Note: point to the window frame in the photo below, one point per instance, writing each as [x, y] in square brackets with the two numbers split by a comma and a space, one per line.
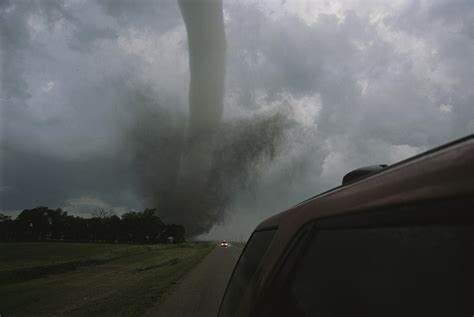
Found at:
[245, 298]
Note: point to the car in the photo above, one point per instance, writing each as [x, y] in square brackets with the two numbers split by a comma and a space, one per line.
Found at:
[224, 244]
[392, 240]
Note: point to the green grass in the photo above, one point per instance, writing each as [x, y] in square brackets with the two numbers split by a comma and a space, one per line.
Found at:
[77, 279]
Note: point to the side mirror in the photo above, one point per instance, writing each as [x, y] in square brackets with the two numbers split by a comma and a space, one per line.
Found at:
[362, 172]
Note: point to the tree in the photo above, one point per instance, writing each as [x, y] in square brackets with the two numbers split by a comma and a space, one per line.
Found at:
[42, 223]
[141, 227]
[176, 232]
[57, 219]
[6, 228]
[103, 213]
[34, 224]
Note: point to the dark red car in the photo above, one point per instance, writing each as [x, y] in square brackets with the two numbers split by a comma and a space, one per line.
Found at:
[394, 242]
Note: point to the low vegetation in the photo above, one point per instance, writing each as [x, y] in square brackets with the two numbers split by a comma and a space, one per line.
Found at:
[79, 279]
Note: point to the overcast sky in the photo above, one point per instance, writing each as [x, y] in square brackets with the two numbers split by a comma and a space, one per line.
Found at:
[366, 82]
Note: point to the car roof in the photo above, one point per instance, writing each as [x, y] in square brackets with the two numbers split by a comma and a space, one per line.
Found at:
[440, 172]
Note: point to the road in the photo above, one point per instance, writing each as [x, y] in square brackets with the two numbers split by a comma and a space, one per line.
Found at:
[200, 292]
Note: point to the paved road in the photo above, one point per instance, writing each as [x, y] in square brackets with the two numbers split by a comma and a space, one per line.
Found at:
[200, 293]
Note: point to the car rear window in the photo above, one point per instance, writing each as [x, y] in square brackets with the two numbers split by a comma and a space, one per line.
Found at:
[388, 271]
[245, 270]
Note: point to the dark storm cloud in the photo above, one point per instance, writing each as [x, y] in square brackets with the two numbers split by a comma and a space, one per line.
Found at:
[158, 16]
[33, 179]
[362, 81]
[388, 88]
[59, 107]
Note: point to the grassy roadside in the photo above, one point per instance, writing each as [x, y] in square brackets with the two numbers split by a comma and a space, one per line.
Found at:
[89, 279]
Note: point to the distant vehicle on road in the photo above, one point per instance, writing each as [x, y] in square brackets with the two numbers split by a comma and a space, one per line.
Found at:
[224, 244]
[390, 241]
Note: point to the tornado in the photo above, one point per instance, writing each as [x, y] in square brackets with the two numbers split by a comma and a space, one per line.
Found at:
[207, 46]
[207, 49]
[192, 166]
[206, 41]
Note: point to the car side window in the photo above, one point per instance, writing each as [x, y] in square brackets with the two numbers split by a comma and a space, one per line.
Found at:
[411, 270]
[245, 270]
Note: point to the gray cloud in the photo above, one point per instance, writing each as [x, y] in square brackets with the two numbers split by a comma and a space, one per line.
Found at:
[363, 83]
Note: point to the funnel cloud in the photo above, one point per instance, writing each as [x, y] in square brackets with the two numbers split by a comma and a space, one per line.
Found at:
[206, 45]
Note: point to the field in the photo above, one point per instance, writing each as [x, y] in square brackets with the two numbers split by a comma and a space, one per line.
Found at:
[90, 279]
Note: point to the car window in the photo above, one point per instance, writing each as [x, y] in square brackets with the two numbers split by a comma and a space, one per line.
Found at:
[245, 270]
[388, 271]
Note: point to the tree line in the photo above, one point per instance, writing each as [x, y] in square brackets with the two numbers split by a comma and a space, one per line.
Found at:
[44, 224]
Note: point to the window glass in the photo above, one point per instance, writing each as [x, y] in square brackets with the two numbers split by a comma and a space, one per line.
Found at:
[245, 270]
[388, 271]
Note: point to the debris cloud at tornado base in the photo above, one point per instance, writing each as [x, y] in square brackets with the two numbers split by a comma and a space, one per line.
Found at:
[190, 166]
[241, 149]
